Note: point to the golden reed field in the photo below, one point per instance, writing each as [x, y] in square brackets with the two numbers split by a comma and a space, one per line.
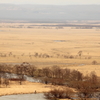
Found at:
[47, 46]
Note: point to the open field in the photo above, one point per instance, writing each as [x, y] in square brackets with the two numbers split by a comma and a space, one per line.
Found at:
[67, 47]
[26, 88]
[48, 46]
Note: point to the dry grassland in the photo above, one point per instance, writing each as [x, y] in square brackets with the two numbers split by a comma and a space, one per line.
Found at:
[25, 88]
[24, 42]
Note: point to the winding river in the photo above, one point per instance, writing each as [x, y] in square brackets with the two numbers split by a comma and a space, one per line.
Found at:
[38, 96]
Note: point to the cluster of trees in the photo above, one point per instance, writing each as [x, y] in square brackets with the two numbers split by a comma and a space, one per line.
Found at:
[84, 86]
[77, 86]
[54, 75]
[20, 70]
[56, 93]
[57, 55]
[45, 55]
[3, 76]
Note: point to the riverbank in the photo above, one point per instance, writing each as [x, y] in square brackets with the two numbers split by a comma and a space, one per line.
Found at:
[25, 88]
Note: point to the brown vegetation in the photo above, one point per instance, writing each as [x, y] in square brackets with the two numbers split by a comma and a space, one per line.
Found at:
[84, 86]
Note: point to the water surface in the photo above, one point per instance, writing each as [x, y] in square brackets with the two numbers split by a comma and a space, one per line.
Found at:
[39, 96]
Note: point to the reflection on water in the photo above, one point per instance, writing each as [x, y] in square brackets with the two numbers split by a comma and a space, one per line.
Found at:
[27, 78]
[39, 96]
[59, 40]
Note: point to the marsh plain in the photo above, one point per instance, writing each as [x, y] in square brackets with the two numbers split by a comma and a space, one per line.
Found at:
[50, 45]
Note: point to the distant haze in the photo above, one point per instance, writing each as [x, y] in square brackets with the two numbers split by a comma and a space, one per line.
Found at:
[52, 2]
[49, 12]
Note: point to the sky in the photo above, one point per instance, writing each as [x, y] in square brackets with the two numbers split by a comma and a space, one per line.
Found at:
[52, 2]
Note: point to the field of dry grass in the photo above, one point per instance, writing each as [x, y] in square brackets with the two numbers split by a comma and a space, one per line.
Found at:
[19, 43]
[25, 88]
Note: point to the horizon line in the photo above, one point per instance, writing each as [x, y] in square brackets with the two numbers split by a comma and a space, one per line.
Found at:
[47, 4]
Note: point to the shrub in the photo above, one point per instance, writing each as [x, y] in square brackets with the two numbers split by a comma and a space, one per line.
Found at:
[94, 62]
[59, 93]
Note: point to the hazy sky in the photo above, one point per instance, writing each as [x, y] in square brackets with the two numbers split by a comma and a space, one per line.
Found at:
[50, 2]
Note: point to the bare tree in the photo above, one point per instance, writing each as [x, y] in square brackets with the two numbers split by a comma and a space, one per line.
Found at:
[6, 79]
[46, 71]
[86, 90]
[94, 62]
[22, 70]
[80, 54]
[1, 74]
[32, 70]
[76, 75]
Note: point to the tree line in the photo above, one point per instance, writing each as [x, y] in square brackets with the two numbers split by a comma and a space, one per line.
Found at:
[74, 83]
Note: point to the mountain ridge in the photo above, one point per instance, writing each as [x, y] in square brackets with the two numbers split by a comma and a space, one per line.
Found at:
[49, 12]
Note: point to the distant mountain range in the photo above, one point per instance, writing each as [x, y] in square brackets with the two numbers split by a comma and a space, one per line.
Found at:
[49, 12]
